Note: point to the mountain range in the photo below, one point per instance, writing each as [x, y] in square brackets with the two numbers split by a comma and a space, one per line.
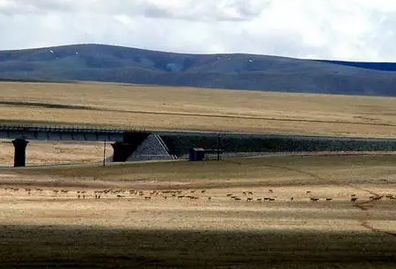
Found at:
[92, 62]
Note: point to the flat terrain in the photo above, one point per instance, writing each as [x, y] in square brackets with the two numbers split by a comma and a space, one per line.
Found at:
[238, 213]
[178, 108]
[276, 211]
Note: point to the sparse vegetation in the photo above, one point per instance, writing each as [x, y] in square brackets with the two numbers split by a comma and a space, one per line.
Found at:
[234, 213]
[167, 108]
[237, 212]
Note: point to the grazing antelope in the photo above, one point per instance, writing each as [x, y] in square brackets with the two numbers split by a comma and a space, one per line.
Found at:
[329, 199]
[203, 191]
[237, 199]
[147, 198]
[307, 192]
[259, 199]
[250, 193]
[229, 194]
[314, 199]
[271, 199]
[353, 199]
[249, 199]
[376, 198]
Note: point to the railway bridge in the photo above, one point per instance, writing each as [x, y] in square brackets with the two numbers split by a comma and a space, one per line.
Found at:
[124, 141]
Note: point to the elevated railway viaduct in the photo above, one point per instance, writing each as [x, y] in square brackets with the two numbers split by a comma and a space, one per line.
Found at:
[156, 144]
[124, 142]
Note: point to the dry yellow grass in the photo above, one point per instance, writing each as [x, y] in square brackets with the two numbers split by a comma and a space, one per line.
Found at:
[178, 108]
[54, 152]
[44, 223]
[54, 227]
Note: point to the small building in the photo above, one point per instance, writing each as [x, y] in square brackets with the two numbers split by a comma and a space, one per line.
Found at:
[197, 154]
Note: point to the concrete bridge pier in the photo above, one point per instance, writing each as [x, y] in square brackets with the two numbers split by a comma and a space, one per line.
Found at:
[122, 151]
[20, 152]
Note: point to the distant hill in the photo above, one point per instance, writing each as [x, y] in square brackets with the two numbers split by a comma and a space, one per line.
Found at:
[232, 71]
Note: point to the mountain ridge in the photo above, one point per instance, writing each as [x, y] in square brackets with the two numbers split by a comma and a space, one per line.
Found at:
[96, 62]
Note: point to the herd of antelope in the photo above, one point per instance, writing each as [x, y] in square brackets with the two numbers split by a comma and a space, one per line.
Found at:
[248, 196]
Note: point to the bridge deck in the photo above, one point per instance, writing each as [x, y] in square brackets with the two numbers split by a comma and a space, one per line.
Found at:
[64, 133]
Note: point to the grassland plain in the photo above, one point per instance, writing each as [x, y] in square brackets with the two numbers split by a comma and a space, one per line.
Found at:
[236, 213]
[180, 108]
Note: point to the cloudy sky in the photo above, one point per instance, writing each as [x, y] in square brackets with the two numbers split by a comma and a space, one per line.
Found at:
[331, 29]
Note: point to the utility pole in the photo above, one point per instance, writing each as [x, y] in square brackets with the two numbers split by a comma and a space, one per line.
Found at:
[104, 153]
[218, 147]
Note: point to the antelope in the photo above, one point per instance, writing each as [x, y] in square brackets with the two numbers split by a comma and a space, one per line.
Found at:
[329, 199]
[314, 199]
[353, 199]
[249, 199]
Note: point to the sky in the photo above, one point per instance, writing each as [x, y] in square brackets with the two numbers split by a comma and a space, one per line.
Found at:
[360, 30]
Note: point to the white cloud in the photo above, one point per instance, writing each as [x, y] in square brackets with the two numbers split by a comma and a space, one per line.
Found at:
[332, 29]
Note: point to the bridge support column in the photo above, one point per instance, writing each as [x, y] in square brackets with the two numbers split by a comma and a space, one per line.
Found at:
[122, 151]
[20, 152]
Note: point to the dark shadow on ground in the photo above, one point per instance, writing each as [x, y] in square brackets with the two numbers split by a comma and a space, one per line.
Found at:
[85, 246]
